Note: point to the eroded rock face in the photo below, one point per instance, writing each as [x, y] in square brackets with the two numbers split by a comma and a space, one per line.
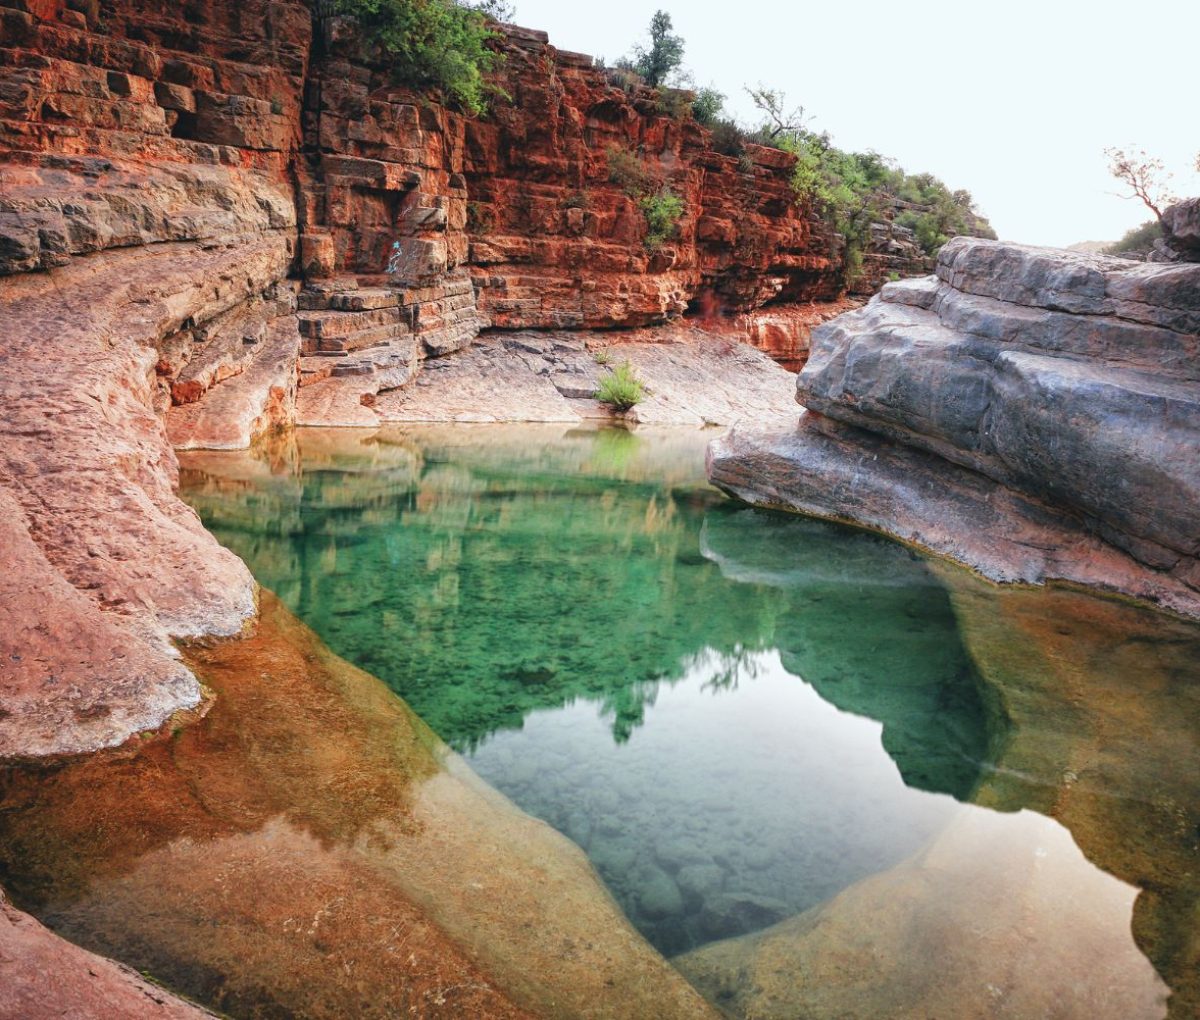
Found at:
[1031, 412]
[557, 237]
[1181, 243]
[111, 564]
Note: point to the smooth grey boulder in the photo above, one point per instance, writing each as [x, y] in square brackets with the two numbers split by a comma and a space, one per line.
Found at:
[1069, 381]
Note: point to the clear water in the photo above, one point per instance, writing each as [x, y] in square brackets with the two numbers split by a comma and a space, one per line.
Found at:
[735, 713]
[829, 778]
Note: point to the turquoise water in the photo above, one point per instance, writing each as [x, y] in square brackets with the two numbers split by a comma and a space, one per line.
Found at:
[735, 713]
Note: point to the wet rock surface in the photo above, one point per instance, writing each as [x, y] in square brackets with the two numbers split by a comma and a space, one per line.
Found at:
[936, 936]
[43, 976]
[1064, 383]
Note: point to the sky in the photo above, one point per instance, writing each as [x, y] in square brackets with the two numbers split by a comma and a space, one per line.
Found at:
[1013, 100]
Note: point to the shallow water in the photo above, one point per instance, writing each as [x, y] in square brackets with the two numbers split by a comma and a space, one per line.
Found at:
[736, 714]
[573, 623]
[827, 775]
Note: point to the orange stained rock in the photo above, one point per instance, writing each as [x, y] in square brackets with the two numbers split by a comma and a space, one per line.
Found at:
[312, 849]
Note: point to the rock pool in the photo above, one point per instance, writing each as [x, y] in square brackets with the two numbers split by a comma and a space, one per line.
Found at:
[826, 775]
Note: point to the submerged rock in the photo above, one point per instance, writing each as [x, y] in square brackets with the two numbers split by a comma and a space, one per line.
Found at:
[735, 913]
[998, 917]
[1091, 707]
[658, 895]
[1032, 413]
[311, 848]
[43, 976]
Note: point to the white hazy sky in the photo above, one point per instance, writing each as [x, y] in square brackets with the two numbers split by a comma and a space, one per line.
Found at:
[1011, 99]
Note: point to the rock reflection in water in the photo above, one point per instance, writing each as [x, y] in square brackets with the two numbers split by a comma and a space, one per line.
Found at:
[511, 590]
[1093, 717]
[639, 663]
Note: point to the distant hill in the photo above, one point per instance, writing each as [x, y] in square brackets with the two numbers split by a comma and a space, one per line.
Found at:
[1091, 247]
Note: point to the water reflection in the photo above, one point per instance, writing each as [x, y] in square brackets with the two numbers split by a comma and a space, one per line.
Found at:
[531, 587]
[484, 576]
[808, 752]
[519, 588]
[310, 849]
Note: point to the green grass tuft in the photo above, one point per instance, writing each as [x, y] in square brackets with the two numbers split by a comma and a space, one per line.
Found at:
[621, 388]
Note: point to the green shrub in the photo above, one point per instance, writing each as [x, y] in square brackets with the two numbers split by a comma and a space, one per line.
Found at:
[602, 357]
[1139, 239]
[621, 388]
[663, 211]
[624, 77]
[728, 138]
[852, 190]
[434, 44]
[629, 172]
[707, 106]
[673, 103]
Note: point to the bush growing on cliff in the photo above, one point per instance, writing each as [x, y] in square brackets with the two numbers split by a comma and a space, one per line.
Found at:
[621, 388]
[663, 211]
[852, 190]
[1138, 240]
[674, 103]
[435, 45]
[728, 137]
[708, 106]
[628, 171]
[498, 10]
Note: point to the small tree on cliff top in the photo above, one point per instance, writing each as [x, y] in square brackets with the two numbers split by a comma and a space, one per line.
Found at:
[664, 56]
[501, 10]
[779, 122]
[1144, 176]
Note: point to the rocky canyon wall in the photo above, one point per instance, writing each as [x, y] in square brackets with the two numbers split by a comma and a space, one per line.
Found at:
[197, 208]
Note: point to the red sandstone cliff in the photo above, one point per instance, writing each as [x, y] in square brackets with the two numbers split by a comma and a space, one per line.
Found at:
[128, 124]
[196, 206]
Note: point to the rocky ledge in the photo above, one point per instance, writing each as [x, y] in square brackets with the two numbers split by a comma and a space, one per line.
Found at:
[1034, 414]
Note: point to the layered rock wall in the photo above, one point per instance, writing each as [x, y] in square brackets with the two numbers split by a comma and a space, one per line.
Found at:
[147, 225]
[197, 208]
[1034, 413]
[529, 218]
